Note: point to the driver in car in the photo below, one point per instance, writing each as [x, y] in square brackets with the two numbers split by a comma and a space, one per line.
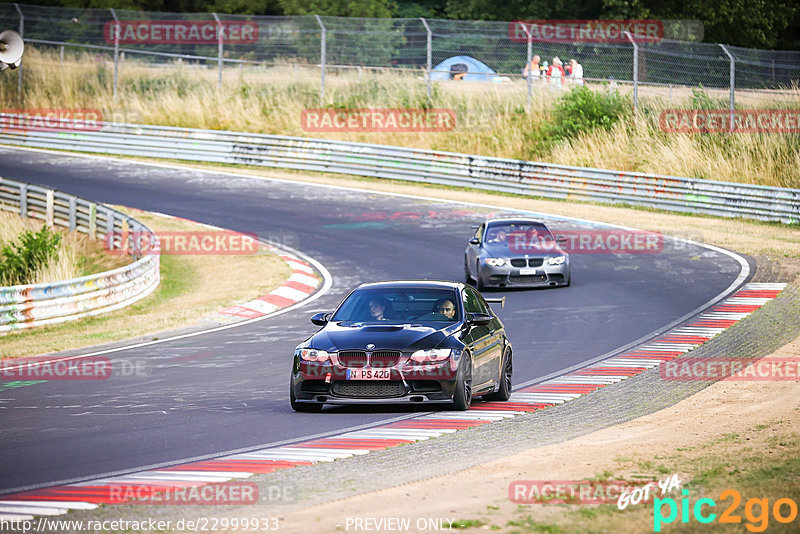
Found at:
[500, 236]
[445, 307]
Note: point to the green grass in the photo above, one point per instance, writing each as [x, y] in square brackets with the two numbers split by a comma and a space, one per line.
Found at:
[468, 523]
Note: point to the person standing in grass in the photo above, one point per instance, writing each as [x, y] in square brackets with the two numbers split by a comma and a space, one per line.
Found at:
[576, 72]
[555, 74]
[532, 69]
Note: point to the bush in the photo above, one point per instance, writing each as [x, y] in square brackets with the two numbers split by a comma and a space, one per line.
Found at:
[582, 110]
[20, 261]
[579, 111]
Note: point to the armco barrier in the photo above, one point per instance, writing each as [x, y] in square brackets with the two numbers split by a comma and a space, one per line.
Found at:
[31, 305]
[383, 161]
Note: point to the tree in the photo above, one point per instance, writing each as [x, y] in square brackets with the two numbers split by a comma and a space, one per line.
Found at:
[425, 8]
[245, 7]
[339, 8]
[522, 9]
[748, 23]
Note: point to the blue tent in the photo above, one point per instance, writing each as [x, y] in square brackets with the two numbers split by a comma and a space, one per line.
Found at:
[477, 71]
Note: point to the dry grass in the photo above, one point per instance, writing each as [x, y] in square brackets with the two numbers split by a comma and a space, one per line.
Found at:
[492, 118]
[191, 287]
[768, 159]
[77, 254]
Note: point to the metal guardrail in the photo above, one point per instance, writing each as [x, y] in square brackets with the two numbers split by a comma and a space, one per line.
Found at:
[383, 161]
[25, 306]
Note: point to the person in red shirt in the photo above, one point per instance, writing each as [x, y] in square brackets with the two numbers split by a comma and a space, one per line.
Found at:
[555, 73]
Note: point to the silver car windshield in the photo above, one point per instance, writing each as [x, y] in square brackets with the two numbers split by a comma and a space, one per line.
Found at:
[399, 305]
[520, 236]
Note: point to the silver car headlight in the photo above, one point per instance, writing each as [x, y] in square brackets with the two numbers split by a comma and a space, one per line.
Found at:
[495, 262]
[556, 260]
[313, 355]
[430, 355]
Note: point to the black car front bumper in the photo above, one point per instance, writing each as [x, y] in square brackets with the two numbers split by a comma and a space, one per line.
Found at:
[327, 384]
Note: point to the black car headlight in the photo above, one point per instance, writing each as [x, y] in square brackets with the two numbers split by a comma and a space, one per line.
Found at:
[495, 262]
[313, 355]
[556, 260]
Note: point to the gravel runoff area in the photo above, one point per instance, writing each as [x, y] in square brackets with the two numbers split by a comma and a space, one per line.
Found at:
[760, 334]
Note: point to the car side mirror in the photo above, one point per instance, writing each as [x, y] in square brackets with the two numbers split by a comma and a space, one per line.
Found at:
[478, 319]
[320, 319]
[561, 240]
[474, 241]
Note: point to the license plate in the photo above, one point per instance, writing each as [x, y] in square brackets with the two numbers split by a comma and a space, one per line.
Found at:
[527, 270]
[368, 374]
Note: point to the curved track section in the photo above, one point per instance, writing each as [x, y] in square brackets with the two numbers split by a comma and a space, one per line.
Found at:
[226, 391]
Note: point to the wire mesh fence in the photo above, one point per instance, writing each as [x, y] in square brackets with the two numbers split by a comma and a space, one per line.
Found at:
[432, 48]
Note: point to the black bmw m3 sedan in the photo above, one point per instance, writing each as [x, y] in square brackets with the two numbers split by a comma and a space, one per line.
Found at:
[404, 342]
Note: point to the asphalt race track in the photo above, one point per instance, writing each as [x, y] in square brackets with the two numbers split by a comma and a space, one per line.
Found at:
[228, 390]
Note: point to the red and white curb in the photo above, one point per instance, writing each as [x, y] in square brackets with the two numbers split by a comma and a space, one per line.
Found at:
[680, 340]
[303, 282]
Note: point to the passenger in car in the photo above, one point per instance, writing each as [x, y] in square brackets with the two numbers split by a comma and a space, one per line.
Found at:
[379, 309]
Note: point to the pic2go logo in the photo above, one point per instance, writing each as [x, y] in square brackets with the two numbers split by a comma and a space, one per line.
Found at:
[756, 511]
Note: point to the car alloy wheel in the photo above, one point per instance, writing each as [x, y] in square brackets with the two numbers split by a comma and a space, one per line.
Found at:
[504, 393]
[478, 283]
[462, 398]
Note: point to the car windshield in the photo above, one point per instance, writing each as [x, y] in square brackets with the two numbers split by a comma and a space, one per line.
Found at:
[399, 305]
[520, 236]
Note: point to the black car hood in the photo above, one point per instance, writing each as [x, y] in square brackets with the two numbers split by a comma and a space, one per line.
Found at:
[346, 335]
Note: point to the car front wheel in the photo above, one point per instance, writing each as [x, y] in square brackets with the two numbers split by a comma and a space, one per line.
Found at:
[478, 283]
[462, 398]
[303, 406]
[467, 275]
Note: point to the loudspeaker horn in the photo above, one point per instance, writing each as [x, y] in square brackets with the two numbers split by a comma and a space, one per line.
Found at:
[11, 48]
